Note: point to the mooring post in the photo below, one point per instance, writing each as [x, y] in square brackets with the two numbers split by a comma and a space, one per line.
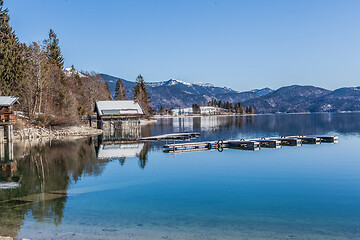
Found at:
[2, 134]
[89, 117]
[10, 133]
[11, 150]
[2, 151]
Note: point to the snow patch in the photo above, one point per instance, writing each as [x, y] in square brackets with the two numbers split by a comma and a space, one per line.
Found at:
[69, 72]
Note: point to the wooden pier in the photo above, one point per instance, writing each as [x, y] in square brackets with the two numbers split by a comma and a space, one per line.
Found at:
[251, 144]
[172, 136]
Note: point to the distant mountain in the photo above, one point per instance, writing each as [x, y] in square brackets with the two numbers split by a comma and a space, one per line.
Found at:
[111, 81]
[175, 93]
[287, 99]
[342, 99]
[262, 91]
[290, 99]
[307, 99]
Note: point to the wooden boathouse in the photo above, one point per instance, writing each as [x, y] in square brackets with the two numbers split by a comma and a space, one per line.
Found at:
[7, 117]
[121, 114]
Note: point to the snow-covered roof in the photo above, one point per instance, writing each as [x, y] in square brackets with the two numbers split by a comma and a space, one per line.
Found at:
[123, 107]
[120, 150]
[7, 100]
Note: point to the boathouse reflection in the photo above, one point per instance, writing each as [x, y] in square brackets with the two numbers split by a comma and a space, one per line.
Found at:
[112, 151]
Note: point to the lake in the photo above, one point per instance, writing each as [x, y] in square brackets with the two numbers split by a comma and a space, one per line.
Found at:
[94, 189]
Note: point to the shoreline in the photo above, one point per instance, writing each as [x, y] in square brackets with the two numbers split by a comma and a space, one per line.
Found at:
[62, 133]
[28, 133]
[247, 115]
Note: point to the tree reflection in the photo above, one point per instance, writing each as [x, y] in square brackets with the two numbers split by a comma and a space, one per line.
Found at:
[45, 173]
[143, 157]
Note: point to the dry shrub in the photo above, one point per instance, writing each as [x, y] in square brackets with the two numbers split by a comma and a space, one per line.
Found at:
[19, 124]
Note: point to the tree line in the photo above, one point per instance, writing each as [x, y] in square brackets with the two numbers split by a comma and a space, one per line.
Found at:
[47, 94]
[34, 73]
[196, 108]
[232, 107]
[139, 92]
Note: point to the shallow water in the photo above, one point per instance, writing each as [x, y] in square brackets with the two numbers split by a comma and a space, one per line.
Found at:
[91, 189]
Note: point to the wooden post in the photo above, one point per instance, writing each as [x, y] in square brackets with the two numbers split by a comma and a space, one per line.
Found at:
[2, 151]
[89, 117]
[10, 133]
[11, 150]
[2, 134]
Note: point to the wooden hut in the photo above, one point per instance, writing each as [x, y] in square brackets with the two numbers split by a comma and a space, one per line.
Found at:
[118, 114]
[7, 117]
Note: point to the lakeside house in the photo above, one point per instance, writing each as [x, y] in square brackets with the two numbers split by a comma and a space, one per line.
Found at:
[118, 114]
[7, 117]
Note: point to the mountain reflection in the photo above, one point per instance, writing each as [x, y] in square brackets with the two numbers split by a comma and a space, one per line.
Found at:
[229, 127]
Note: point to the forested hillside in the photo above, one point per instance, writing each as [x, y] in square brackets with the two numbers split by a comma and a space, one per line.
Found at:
[35, 74]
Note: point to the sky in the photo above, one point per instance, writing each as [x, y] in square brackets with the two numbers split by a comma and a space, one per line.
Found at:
[238, 44]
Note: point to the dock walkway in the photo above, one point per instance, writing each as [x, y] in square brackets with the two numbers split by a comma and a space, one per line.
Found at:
[172, 136]
[249, 144]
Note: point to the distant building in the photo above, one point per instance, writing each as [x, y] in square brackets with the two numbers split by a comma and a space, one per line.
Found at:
[113, 114]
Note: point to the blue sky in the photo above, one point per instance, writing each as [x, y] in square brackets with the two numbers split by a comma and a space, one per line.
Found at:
[238, 44]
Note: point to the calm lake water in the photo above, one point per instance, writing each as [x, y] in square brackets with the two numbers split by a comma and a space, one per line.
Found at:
[94, 189]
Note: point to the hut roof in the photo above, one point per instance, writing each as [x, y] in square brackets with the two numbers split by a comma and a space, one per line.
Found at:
[119, 108]
[6, 101]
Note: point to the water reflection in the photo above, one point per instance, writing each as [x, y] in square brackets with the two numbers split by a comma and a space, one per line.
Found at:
[119, 152]
[236, 127]
[45, 171]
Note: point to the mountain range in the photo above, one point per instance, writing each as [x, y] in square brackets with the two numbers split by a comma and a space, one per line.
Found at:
[290, 99]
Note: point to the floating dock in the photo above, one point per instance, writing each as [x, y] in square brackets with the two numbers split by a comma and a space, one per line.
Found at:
[172, 136]
[251, 144]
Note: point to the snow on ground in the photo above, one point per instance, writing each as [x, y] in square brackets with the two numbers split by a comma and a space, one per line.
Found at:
[204, 110]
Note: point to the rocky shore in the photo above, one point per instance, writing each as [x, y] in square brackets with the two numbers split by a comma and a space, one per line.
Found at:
[55, 133]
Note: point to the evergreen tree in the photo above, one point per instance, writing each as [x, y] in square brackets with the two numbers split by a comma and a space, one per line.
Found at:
[251, 110]
[239, 108]
[161, 110]
[107, 88]
[11, 51]
[120, 91]
[76, 76]
[140, 93]
[54, 51]
[196, 109]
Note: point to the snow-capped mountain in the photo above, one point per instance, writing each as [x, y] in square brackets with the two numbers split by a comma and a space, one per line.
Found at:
[70, 71]
[176, 93]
